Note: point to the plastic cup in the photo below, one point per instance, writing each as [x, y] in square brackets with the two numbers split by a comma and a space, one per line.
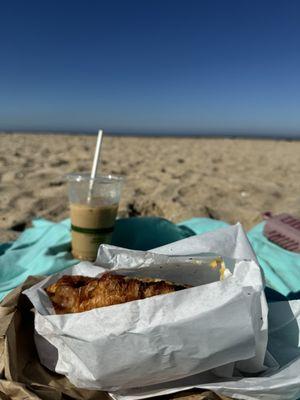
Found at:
[93, 214]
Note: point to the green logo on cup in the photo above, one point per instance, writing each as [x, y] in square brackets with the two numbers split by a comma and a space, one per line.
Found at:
[92, 231]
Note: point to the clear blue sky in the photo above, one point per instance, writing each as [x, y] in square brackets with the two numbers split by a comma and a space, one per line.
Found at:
[151, 66]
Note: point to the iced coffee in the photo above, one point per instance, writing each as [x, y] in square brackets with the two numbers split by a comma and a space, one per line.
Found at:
[93, 213]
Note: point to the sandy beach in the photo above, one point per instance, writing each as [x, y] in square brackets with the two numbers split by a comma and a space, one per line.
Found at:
[176, 178]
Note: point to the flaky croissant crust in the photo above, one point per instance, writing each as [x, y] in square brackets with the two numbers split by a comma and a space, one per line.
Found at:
[74, 294]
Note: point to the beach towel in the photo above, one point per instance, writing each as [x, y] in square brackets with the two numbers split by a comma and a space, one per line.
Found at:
[44, 249]
[40, 250]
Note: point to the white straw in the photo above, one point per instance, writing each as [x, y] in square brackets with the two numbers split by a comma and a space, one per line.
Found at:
[95, 165]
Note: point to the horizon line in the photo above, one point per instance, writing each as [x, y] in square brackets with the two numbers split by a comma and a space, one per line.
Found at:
[217, 134]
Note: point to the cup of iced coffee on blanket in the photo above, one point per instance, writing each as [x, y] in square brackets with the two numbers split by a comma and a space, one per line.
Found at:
[94, 201]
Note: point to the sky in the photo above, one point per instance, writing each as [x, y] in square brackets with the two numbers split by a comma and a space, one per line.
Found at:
[151, 66]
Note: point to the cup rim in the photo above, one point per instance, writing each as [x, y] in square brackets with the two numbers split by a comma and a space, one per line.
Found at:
[86, 176]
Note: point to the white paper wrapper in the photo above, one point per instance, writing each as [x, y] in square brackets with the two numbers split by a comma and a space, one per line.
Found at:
[281, 383]
[281, 380]
[163, 338]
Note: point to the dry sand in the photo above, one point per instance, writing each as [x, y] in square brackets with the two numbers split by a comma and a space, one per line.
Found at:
[229, 179]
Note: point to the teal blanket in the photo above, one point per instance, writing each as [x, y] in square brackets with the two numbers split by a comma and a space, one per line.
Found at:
[45, 249]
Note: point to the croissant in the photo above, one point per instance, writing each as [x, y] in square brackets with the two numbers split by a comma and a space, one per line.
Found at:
[74, 294]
